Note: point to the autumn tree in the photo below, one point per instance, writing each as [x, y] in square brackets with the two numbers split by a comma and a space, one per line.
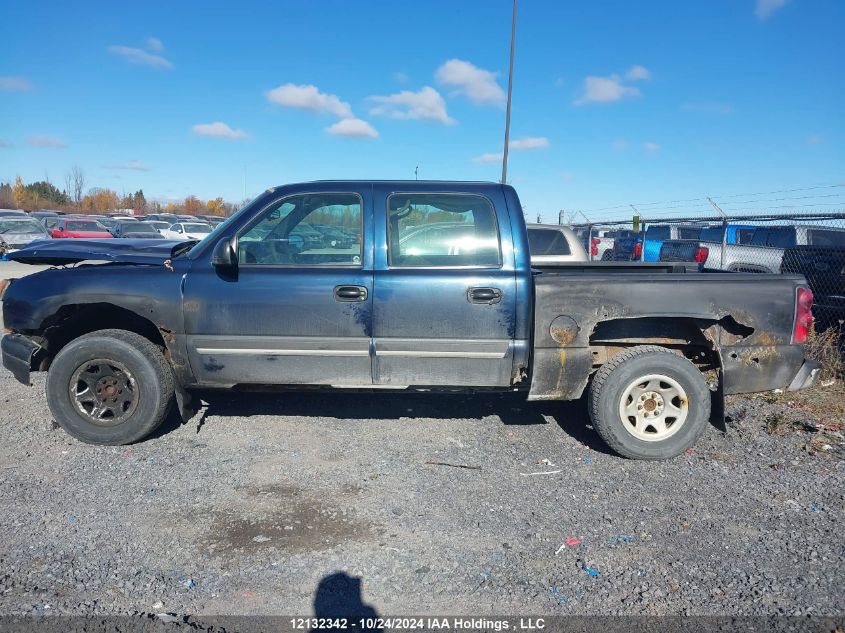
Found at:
[19, 195]
[192, 205]
[100, 201]
[7, 200]
[216, 207]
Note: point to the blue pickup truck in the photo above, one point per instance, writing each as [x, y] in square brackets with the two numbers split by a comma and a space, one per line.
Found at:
[434, 290]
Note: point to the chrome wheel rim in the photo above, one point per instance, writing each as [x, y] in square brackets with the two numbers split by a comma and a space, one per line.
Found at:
[103, 392]
[653, 407]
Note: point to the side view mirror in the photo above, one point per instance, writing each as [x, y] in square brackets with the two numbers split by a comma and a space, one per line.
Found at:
[225, 254]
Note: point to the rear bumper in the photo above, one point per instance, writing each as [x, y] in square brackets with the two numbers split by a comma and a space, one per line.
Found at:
[17, 355]
[806, 377]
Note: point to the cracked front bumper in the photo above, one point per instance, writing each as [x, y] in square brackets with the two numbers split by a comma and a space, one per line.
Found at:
[18, 351]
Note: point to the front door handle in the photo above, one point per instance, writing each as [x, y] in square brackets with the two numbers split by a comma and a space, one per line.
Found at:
[350, 293]
[484, 295]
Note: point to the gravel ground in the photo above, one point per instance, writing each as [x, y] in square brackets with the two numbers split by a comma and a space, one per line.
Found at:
[250, 506]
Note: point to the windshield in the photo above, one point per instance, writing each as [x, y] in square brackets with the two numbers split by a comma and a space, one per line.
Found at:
[23, 227]
[137, 227]
[160, 225]
[85, 226]
[197, 228]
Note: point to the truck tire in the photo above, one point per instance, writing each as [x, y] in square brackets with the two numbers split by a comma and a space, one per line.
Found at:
[649, 403]
[110, 387]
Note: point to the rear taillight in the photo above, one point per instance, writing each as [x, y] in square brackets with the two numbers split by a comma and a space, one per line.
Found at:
[803, 315]
[594, 246]
[638, 251]
[701, 254]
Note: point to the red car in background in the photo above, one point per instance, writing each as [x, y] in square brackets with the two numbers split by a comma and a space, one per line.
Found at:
[79, 228]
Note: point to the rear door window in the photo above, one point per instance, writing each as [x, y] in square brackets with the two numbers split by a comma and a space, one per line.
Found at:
[657, 233]
[547, 242]
[826, 237]
[442, 230]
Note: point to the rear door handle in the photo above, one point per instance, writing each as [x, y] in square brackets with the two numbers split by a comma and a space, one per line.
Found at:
[484, 295]
[350, 293]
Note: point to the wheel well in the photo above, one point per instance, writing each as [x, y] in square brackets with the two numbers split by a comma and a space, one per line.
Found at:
[72, 321]
[693, 338]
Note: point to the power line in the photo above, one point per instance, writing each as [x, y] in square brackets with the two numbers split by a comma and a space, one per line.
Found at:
[720, 197]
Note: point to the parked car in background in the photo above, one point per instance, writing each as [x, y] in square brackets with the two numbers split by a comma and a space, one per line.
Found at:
[627, 246]
[13, 213]
[824, 269]
[707, 249]
[187, 231]
[656, 234]
[162, 217]
[598, 243]
[763, 253]
[187, 218]
[49, 221]
[79, 228]
[17, 232]
[135, 230]
[554, 244]
[159, 225]
[43, 213]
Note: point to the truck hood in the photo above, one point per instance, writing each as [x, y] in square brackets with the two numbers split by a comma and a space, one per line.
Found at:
[120, 251]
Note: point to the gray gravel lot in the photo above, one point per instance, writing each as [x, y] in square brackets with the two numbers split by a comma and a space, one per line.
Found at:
[248, 511]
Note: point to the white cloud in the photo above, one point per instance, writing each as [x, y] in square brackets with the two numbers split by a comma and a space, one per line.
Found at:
[353, 128]
[815, 139]
[605, 90]
[477, 84]
[619, 145]
[400, 77]
[529, 142]
[427, 104]
[308, 97]
[9, 83]
[218, 129]
[132, 165]
[709, 107]
[526, 143]
[651, 148]
[638, 73]
[765, 8]
[46, 141]
[140, 57]
[5, 144]
[155, 44]
[488, 158]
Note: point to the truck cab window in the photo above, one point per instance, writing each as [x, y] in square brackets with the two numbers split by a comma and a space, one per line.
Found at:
[442, 230]
[547, 242]
[306, 230]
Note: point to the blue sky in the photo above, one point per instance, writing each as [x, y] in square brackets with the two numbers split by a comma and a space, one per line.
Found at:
[614, 102]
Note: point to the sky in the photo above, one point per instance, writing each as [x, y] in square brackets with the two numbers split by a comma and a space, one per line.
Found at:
[614, 102]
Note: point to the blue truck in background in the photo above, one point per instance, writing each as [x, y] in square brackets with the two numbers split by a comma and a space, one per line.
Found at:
[432, 289]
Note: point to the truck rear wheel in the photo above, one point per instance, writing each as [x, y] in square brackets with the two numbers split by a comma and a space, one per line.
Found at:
[109, 387]
[649, 403]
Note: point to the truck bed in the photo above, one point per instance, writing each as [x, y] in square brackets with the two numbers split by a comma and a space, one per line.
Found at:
[579, 310]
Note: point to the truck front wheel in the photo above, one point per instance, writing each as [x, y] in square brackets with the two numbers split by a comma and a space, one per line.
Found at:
[109, 387]
[649, 403]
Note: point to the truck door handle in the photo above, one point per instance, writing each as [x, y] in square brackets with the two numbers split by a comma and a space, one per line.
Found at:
[484, 295]
[350, 293]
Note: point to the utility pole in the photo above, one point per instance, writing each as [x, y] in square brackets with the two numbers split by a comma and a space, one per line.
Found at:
[510, 91]
[417, 172]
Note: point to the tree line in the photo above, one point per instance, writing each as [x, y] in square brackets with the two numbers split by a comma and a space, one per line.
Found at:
[74, 197]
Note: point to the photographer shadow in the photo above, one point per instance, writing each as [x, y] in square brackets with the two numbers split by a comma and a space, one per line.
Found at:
[338, 596]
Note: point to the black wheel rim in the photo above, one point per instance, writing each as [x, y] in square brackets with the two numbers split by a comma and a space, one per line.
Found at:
[104, 392]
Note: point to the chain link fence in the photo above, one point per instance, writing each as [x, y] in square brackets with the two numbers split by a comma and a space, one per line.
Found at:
[806, 243]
